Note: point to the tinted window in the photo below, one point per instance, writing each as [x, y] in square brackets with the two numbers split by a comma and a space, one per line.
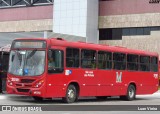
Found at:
[132, 62]
[110, 34]
[126, 32]
[144, 63]
[88, 59]
[72, 57]
[140, 31]
[55, 61]
[154, 64]
[133, 31]
[104, 60]
[119, 60]
[147, 31]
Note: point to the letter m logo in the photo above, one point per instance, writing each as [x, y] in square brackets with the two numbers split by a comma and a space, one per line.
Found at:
[118, 77]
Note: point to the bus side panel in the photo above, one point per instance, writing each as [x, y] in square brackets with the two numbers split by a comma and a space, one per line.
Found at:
[55, 85]
[148, 83]
[87, 80]
[118, 83]
[104, 86]
[144, 81]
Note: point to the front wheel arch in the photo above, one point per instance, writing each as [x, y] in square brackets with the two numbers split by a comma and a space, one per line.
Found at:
[75, 87]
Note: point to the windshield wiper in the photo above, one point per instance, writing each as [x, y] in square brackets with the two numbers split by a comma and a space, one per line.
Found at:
[31, 54]
[18, 54]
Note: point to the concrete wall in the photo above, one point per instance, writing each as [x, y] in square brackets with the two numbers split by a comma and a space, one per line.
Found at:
[132, 20]
[124, 7]
[26, 13]
[38, 18]
[131, 13]
[26, 25]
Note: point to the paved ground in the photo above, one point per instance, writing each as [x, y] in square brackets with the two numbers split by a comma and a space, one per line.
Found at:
[6, 99]
[154, 99]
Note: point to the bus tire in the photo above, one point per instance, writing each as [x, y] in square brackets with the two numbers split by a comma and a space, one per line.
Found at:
[71, 94]
[38, 98]
[131, 93]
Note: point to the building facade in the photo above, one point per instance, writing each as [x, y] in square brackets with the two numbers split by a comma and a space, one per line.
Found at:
[131, 23]
[26, 15]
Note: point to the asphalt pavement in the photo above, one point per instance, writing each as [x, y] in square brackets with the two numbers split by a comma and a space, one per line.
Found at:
[89, 105]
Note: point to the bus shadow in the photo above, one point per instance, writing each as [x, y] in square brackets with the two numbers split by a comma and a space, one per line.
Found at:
[85, 100]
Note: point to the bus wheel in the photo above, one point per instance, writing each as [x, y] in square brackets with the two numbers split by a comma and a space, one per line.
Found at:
[38, 98]
[131, 93]
[71, 94]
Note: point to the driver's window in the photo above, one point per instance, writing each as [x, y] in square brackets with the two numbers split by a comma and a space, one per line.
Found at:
[55, 61]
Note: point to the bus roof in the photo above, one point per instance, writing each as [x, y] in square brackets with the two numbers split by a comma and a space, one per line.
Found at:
[84, 45]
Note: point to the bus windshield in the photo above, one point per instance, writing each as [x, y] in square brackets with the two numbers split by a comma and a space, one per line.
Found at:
[26, 62]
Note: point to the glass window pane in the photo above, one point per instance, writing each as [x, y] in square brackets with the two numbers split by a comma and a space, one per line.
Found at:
[125, 32]
[133, 31]
[72, 57]
[132, 62]
[154, 64]
[104, 60]
[144, 63]
[140, 31]
[55, 61]
[147, 31]
[116, 34]
[119, 61]
[88, 59]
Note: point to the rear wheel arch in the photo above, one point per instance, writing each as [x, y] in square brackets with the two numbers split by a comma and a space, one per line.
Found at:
[134, 84]
[130, 93]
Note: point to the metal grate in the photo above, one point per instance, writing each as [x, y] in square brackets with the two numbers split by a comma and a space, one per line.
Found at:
[22, 90]
[27, 80]
[24, 3]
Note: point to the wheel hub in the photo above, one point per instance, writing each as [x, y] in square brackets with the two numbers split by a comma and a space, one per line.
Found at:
[71, 94]
[131, 93]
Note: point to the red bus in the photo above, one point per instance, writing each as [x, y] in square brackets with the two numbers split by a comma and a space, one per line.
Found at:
[48, 68]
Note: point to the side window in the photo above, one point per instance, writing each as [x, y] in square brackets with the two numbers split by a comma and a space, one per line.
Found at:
[132, 62]
[144, 63]
[104, 60]
[88, 59]
[72, 57]
[119, 61]
[55, 61]
[154, 64]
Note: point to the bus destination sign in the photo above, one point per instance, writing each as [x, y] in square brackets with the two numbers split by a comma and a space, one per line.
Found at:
[29, 44]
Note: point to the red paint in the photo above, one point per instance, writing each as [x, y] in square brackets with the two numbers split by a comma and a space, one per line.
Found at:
[159, 73]
[103, 83]
[26, 13]
[122, 7]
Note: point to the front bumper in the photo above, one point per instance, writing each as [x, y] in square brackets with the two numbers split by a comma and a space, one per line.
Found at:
[26, 91]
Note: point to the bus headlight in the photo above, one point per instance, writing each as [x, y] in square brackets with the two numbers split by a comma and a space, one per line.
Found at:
[9, 82]
[39, 84]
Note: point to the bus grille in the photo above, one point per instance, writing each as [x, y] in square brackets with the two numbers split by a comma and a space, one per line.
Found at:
[20, 85]
[22, 90]
[27, 80]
